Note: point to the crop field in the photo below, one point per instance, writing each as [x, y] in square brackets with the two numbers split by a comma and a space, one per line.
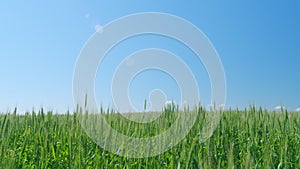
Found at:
[252, 138]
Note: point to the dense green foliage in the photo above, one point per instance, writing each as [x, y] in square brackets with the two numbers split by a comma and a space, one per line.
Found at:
[243, 139]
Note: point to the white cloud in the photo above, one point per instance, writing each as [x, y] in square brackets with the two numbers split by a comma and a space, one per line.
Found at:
[170, 102]
[298, 109]
[222, 106]
[98, 28]
[210, 105]
[279, 107]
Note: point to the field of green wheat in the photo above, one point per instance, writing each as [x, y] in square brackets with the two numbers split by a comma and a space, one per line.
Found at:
[250, 138]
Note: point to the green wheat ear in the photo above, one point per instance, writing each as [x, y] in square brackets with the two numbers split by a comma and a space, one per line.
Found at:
[85, 101]
[145, 105]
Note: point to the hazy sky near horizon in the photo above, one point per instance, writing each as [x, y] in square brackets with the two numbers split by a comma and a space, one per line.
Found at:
[258, 43]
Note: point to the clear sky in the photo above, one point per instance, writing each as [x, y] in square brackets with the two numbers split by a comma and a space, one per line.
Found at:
[258, 43]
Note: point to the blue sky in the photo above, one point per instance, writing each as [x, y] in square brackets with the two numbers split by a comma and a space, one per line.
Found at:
[257, 41]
